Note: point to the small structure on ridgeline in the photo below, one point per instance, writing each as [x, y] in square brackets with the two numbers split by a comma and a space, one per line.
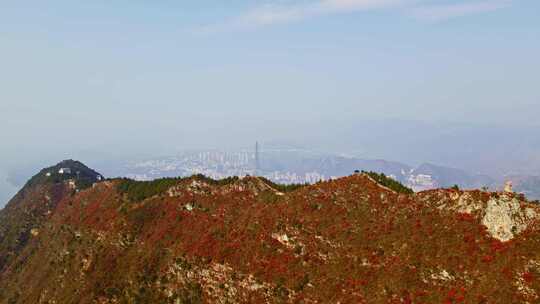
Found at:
[508, 187]
[64, 171]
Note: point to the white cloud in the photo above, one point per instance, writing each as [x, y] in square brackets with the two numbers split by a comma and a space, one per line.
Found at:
[271, 14]
[443, 12]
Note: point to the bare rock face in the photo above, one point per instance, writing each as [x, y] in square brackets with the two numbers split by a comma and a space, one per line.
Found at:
[505, 217]
[503, 214]
[466, 203]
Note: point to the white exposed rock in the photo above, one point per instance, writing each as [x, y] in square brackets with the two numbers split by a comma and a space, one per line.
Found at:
[366, 263]
[251, 284]
[291, 241]
[504, 217]
[220, 282]
[442, 276]
[283, 239]
[454, 195]
[174, 191]
[467, 204]
[530, 213]
[198, 187]
[86, 263]
[34, 232]
[523, 288]
[72, 184]
[460, 202]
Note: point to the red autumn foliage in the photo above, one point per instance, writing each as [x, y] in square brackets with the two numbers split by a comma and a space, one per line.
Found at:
[347, 241]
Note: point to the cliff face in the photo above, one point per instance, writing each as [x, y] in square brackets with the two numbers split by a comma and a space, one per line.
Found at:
[242, 241]
[503, 214]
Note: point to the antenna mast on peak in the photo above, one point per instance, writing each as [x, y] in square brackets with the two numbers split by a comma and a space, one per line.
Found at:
[257, 164]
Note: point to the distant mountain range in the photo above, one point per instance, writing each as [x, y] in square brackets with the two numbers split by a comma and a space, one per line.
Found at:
[294, 165]
[303, 166]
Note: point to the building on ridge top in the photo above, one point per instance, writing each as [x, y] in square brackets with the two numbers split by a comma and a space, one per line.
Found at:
[64, 171]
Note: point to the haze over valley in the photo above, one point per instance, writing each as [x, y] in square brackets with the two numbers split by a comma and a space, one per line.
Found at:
[484, 155]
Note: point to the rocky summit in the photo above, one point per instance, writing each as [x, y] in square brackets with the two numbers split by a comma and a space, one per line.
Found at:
[71, 236]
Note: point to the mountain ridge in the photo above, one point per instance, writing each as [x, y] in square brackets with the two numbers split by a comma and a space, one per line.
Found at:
[199, 240]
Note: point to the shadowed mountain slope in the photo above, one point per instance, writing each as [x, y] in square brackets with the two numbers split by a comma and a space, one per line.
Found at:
[29, 210]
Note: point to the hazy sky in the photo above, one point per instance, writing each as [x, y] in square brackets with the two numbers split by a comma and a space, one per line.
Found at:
[119, 77]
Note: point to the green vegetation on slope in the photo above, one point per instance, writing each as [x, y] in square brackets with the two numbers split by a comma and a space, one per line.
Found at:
[141, 190]
[388, 182]
[282, 187]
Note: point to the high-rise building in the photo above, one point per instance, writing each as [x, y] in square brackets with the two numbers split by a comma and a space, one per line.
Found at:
[257, 164]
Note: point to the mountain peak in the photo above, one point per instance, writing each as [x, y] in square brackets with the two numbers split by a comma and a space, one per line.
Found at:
[67, 170]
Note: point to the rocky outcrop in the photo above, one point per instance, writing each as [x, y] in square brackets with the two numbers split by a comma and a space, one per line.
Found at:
[506, 217]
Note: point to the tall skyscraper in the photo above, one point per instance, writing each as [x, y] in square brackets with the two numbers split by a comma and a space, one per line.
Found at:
[257, 164]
